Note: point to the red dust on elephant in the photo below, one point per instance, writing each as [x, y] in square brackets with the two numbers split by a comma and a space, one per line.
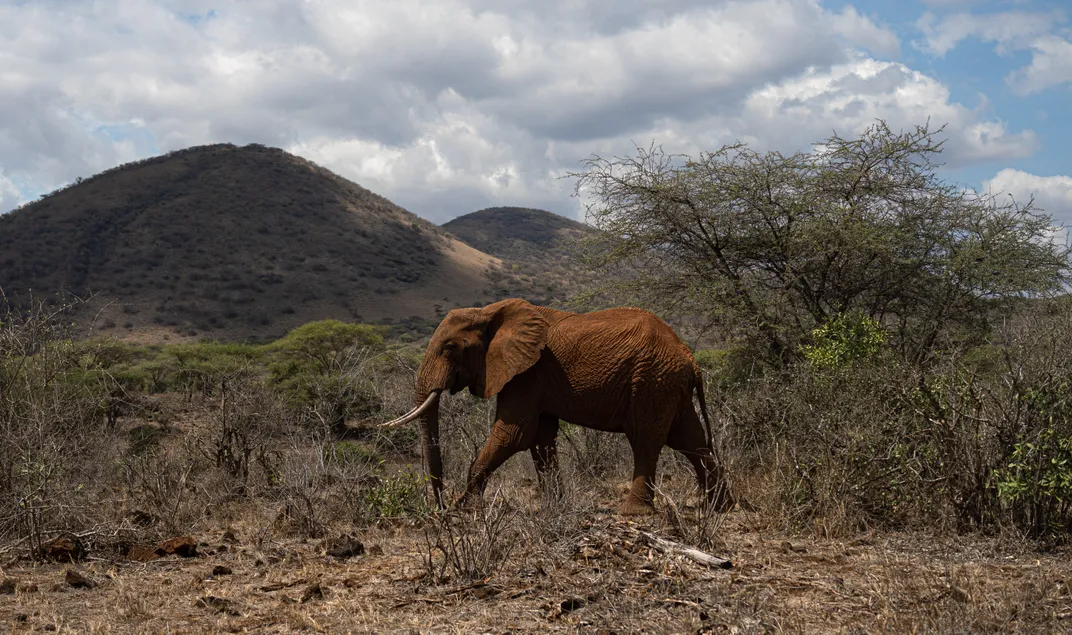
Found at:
[618, 370]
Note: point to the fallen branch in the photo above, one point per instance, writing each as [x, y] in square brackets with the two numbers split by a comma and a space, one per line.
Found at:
[13, 546]
[674, 548]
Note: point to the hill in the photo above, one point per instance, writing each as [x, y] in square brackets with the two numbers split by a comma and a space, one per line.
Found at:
[536, 247]
[233, 243]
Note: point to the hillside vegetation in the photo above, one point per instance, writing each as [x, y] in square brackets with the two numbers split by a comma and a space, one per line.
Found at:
[538, 250]
[233, 242]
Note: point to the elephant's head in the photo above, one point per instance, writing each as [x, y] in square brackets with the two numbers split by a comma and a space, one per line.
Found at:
[480, 349]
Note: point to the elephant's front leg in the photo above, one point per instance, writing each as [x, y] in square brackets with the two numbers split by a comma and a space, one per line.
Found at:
[545, 453]
[505, 440]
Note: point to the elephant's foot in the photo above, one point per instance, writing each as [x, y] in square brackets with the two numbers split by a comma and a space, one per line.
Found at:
[635, 507]
[469, 501]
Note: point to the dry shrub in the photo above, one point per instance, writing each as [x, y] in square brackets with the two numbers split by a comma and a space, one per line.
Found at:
[1009, 409]
[324, 483]
[300, 490]
[975, 437]
[158, 485]
[473, 545]
[838, 448]
[597, 455]
[55, 446]
[245, 427]
[464, 424]
[685, 513]
[563, 506]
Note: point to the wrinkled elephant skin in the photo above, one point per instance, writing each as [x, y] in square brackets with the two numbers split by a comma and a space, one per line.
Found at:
[619, 370]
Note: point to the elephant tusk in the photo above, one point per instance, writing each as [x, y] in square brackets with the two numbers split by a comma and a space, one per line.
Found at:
[413, 414]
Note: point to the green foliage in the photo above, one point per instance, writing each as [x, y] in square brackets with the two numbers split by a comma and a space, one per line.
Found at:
[728, 367]
[321, 347]
[1037, 481]
[350, 455]
[110, 353]
[712, 359]
[136, 378]
[843, 340]
[324, 368]
[397, 496]
[770, 247]
[202, 367]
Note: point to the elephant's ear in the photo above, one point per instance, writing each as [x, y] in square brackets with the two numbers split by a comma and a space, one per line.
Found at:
[518, 333]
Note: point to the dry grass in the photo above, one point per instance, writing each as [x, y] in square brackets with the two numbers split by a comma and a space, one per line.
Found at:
[534, 561]
[591, 578]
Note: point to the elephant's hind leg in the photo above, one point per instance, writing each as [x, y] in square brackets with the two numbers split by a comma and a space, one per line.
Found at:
[647, 435]
[638, 501]
[687, 437]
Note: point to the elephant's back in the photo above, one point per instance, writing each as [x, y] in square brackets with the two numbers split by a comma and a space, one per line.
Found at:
[626, 323]
[618, 344]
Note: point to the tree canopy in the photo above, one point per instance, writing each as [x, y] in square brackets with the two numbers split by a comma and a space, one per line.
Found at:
[772, 246]
[322, 346]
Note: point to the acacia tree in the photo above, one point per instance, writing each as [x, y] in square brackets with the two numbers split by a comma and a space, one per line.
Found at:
[324, 366]
[770, 246]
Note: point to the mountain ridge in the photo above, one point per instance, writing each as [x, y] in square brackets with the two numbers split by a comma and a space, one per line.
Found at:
[539, 248]
[233, 242]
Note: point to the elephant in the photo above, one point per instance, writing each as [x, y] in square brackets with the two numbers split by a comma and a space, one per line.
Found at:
[618, 370]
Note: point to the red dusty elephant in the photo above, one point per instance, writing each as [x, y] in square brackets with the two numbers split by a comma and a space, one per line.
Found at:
[618, 370]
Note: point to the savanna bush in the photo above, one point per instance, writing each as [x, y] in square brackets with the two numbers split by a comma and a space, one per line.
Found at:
[326, 369]
[977, 438]
[54, 438]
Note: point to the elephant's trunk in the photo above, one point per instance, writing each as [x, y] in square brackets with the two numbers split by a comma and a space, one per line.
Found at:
[427, 393]
[433, 455]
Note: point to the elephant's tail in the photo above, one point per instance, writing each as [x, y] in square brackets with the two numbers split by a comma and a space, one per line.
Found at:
[703, 405]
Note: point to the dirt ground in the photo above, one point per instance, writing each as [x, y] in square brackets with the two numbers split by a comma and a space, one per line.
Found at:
[597, 574]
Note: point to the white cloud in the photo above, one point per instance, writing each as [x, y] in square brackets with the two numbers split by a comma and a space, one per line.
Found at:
[1051, 64]
[1051, 60]
[1009, 29]
[460, 162]
[9, 195]
[450, 106]
[864, 33]
[849, 97]
[1053, 194]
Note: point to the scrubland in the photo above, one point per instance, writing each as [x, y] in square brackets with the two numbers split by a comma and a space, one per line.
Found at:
[888, 364]
[870, 498]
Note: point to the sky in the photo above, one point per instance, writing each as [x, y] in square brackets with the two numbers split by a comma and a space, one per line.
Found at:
[451, 106]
